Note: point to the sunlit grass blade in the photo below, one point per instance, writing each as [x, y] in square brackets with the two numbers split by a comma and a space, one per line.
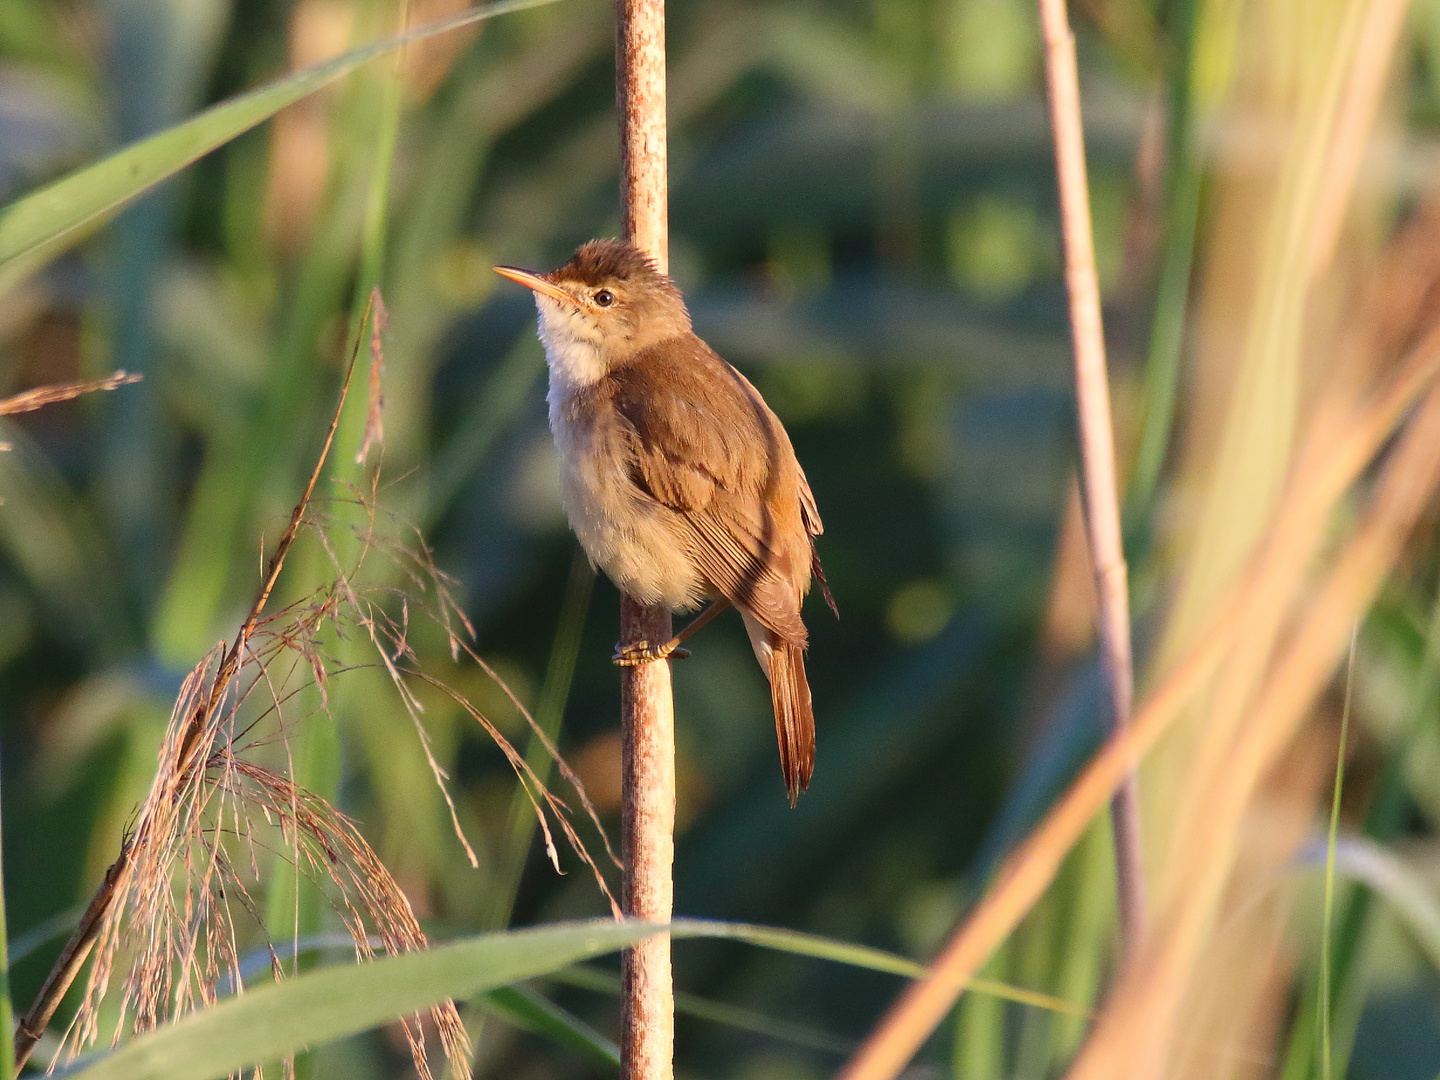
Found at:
[1144, 1006]
[1336, 461]
[863, 956]
[275, 1021]
[39, 226]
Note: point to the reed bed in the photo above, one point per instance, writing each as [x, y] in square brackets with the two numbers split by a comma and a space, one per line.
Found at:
[864, 215]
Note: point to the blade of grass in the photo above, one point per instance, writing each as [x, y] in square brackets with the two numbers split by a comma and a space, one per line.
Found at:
[1329, 907]
[1407, 892]
[1369, 77]
[532, 1011]
[1167, 330]
[274, 1021]
[42, 934]
[1089, 942]
[980, 1035]
[1339, 456]
[863, 956]
[1137, 1028]
[1383, 822]
[37, 227]
[519, 1005]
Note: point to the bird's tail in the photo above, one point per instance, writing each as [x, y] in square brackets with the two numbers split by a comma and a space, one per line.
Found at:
[794, 717]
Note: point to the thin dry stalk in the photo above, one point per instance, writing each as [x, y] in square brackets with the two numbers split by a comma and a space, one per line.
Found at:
[181, 935]
[1346, 442]
[1369, 72]
[34, 1023]
[389, 636]
[1137, 1029]
[1097, 441]
[647, 711]
[178, 928]
[375, 404]
[34, 399]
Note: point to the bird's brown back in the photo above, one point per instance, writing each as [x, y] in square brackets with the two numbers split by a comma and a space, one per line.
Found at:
[704, 443]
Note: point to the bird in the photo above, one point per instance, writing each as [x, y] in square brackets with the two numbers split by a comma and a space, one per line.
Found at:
[678, 480]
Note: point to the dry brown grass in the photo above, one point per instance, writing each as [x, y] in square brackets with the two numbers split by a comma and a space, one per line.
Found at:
[173, 915]
[1273, 577]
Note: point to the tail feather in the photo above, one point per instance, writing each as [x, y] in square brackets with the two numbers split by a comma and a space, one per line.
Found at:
[794, 717]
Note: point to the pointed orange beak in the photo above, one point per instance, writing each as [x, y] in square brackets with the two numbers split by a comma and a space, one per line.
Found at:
[538, 282]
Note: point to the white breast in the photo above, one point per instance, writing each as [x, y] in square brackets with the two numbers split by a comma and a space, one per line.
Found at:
[626, 533]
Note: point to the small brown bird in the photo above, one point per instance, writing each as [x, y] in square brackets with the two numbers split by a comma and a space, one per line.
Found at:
[678, 479]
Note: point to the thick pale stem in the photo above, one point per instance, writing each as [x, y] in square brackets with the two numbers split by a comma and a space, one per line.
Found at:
[648, 848]
[1097, 442]
[640, 101]
[647, 1040]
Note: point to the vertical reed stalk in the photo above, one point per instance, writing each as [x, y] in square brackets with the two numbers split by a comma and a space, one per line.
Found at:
[647, 715]
[1097, 442]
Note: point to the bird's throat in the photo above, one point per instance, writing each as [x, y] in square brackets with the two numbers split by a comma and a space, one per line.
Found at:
[573, 350]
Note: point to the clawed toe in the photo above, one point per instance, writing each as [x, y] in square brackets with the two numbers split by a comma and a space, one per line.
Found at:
[633, 654]
[642, 652]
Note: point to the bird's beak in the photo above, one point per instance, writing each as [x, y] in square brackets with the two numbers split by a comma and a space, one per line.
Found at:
[538, 282]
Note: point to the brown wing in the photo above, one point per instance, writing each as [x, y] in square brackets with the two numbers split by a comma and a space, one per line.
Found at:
[705, 445]
[809, 514]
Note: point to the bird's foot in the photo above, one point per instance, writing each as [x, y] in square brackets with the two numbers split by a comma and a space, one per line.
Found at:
[642, 652]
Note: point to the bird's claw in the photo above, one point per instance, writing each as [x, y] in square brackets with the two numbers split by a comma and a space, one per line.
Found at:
[642, 652]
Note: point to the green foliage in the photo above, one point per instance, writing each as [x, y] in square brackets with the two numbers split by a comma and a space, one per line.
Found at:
[279, 1020]
[863, 221]
[35, 229]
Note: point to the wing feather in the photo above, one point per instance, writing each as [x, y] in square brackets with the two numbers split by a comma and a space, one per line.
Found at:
[704, 444]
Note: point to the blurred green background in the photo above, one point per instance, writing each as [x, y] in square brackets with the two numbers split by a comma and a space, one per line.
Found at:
[863, 220]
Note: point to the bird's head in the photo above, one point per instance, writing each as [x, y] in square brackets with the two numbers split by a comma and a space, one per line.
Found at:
[609, 299]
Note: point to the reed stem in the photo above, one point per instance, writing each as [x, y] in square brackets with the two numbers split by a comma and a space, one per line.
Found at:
[647, 717]
[1097, 443]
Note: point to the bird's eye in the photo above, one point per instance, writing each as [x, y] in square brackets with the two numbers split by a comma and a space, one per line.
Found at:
[604, 298]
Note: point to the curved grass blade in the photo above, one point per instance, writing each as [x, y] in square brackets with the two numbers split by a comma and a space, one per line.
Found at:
[532, 1011]
[1409, 895]
[277, 1020]
[863, 956]
[37, 227]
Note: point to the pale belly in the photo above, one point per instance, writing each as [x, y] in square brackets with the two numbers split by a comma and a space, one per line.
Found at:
[627, 534]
